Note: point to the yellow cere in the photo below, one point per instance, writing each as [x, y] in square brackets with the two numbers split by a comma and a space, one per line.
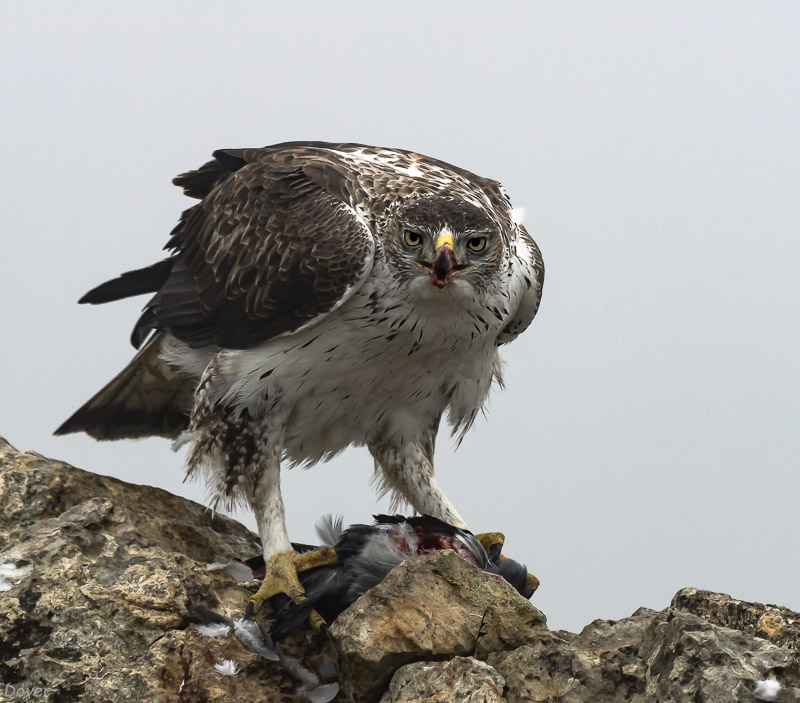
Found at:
[445, 238]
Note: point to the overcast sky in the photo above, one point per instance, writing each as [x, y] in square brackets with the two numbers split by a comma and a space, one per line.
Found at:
[648, 438]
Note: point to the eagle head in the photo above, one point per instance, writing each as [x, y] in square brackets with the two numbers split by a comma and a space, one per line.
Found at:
[444, 239]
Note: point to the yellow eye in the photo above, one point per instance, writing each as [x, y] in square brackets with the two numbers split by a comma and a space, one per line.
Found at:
[477, 243]
[413, 239]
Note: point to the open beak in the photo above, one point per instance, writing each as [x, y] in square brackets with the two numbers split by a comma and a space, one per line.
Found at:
[445, 264]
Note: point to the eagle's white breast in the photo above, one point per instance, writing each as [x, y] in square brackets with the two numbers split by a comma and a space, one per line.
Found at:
[368, 372]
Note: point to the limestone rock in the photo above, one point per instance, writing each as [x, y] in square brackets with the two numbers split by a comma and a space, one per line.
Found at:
[670, 655]
[97, 574]
[778, 625]
[462, 679]
[427, 608]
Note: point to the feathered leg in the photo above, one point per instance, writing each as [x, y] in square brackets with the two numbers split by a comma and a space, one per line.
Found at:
[267, 503]
[282, 564]
[407, 472]
[240, 455]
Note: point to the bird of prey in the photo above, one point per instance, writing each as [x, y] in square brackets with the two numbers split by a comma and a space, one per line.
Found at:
[320, 296]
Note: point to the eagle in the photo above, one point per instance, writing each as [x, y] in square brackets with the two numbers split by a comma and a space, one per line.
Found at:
[319, 296]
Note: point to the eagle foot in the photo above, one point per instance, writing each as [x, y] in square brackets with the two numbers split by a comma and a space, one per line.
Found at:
[281, 576]
[493, 542]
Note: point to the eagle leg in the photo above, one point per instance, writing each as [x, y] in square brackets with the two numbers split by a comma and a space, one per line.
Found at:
[406, 471]
[280, 575]
[493, 542]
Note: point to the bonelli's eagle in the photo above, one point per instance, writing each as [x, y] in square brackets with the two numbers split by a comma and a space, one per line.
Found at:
[319, 296]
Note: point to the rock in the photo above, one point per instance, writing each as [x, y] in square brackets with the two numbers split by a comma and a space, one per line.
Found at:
[461, 679]
[689, 658]
[96, 576]
[778, 625]
[426, 608]
[670, 655]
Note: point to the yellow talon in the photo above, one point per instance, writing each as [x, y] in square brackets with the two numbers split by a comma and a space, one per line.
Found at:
[319, 557]
[316, 621]
[492, 539]
[280, 576]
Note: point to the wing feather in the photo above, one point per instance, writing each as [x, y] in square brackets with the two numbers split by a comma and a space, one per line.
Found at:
[530, 259]
[273, 245]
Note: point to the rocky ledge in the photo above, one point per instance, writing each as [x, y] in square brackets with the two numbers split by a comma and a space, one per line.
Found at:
[97, 576]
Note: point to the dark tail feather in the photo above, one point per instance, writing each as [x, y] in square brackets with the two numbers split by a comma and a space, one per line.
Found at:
[147, 398]
[146, 280]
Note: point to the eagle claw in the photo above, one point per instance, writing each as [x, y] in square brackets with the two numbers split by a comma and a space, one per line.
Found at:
[493, 542]
[281, 576]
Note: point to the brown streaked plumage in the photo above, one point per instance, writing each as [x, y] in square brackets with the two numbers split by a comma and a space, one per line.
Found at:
[319, 296]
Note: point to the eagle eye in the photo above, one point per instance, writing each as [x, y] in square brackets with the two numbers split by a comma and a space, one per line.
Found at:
[413, 239]
[476, 243]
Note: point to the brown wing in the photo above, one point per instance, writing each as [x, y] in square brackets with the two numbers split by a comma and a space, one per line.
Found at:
[272, 245]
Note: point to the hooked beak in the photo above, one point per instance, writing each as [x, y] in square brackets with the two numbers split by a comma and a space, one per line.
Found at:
[445, 264]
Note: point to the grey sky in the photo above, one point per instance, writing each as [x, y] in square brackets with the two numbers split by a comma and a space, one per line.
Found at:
[648, 438]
